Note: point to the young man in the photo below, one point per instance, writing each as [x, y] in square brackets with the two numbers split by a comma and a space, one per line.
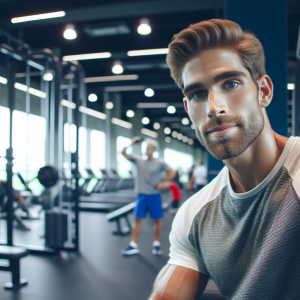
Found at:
[199, 177]
[148, 184]
[242, 229]
[174, 193]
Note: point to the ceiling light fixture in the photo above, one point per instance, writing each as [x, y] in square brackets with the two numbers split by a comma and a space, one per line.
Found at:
[68, 104]
[174, 134]
[179, 136]
[185, 121]
[185, 139]
[48, 76]
[91, 112]
[152, 105]
[31, 90]
[149, 92]
[168, 139]
[39, 17]
[87, 56]
[148, 52]
[156, 125]
[3, 80]
[110, 78]
[167, 130]
[193, 126]
[145, 121]
[291, 86]
[109, 105]
[93, 97]
[144, 27]
[149, 132]
[191, 142]
[121, 123]
[171, 109]
[70, 33]
[130, 113]
[117, 68]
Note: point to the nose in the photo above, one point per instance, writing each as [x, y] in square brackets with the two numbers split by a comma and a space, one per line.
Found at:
[217, 106]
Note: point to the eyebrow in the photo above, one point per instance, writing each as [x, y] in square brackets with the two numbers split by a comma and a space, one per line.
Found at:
[216, 79]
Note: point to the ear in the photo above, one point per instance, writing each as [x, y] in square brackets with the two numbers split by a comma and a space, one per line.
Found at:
[185, 102]
[265, 88]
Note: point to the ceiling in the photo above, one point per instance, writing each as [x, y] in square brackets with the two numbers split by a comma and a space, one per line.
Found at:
[166, 18]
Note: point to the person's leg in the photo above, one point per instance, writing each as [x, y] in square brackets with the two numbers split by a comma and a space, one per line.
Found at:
[136, 229]
[157, 229]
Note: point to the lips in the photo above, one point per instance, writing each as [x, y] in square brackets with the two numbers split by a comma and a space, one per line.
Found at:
[221, 128]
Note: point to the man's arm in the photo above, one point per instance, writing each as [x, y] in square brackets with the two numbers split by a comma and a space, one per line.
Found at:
[125, 154]
[190, 184]
[170, 175]
[178, 283]
[135, 140]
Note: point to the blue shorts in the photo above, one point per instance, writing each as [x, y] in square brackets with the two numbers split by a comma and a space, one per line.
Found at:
[148, 202]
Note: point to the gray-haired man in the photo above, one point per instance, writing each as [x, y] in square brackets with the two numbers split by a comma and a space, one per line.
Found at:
[148, 184]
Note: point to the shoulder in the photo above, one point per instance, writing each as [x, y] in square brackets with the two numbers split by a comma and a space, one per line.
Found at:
[185, 216]
[292, 162]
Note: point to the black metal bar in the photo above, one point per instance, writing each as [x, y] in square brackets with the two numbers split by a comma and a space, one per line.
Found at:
[15, 40]
[11, 67]
[15, 268]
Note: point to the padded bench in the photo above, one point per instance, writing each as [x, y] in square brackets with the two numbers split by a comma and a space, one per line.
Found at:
[13, 254]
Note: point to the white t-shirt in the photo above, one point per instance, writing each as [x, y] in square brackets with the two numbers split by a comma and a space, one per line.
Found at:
[248, 243]
[200, 173]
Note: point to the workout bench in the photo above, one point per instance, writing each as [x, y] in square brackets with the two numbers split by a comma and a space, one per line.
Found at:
[13, 254]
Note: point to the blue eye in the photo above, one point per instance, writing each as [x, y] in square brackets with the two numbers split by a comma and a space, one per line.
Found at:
[230, 85]
[200, 95]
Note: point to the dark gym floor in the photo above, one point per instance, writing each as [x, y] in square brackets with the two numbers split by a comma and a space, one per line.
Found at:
[99, 271]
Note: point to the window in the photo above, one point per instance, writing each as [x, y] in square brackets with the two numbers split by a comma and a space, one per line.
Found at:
[176, 159]
[123, 165]
[4, 138]
[82, 151]
[69, 138]
[97, 150]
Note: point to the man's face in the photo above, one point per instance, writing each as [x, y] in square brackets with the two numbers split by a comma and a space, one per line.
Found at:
[150, 150]
[222, 101]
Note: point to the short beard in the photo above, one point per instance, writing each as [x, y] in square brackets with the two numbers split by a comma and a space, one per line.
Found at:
[230, 146]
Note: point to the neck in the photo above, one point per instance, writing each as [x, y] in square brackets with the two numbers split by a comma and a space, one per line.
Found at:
[150, 157]
[251, 167]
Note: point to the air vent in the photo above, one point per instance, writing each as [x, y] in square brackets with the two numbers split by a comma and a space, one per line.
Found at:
[106, 29]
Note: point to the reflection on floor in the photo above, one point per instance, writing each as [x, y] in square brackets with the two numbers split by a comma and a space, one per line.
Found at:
[99, 271]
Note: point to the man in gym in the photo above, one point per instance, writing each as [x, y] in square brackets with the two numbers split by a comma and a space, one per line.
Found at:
[242, 229]
[148, 184]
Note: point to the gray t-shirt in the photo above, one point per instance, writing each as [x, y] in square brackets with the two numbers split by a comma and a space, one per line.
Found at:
[148, 174]
[248, 243]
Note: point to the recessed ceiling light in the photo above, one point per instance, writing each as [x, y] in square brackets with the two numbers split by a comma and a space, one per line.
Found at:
[167, 130]
[109, 105]
[191, 142]
[70, 33]
[144, 27]
[193, 126]
[171, 109]
[185, 139]
[48, 76]
[179, 136]
[156, 125]
[168, 139]
[291, 86]
[145, 121]
[92, 97]
[117, 68]
[148, 52]
[185, 121]
[149, 92]
[174, 134]
[130, 113]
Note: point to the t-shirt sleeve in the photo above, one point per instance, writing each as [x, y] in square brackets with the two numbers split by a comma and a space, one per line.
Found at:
[133, 158]
[164, 166]
[182, 252]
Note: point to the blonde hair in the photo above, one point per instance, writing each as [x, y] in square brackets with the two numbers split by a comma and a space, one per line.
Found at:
[215, 33]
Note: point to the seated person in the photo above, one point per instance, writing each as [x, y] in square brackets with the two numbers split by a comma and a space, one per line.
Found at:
[175, 194]
[19, 198]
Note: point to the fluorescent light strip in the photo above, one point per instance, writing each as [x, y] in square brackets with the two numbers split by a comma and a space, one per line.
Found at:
[87, 56]
[31, 90]
[39, 17]
[291, 86]
[68, 104]
[152, 105]
[111, 78]
[3, 80]
[121, 123]
[149, 132]
[148, 52]
[91, 112]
